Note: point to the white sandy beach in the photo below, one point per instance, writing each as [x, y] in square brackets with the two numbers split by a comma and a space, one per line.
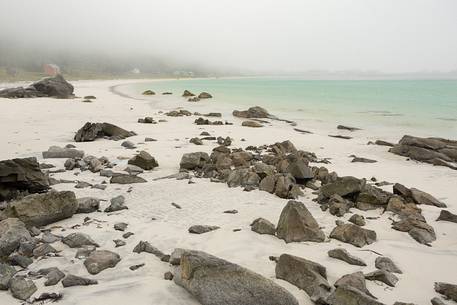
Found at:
[29, 126]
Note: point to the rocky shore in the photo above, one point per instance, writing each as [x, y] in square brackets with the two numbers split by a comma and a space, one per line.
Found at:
[113, 201]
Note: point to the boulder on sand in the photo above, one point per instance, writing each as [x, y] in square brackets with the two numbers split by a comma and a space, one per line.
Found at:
[251, 124]
[214, 281]
[59, 152]
[126, 179]
[92, 131]
[253, 112]
[21, 175]
[353, 234]
[204, 95]
[55, 86]
[187, 93]
[297, 224]
[100, 260]
[43, 209]
[144, 160]
[12, 233]
[194, 160]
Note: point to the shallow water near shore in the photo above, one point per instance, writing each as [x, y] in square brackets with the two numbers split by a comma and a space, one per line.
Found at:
[422, 107]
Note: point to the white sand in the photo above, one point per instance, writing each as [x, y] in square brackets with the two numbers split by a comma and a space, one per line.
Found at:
[30, 126]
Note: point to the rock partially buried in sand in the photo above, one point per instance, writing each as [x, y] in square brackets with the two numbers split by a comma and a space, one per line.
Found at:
[214, 281]
[447, 216]
[126, 179]
[253, 112]
[342, 127]
[251, 124]
[305, 274]
[144, 160]
[187, 93]
[446, 289]
[353, 234]
[200, 229]
[21, 175]
[263, 226]
[73, 280]
[148, 92]
[78, 240]
[62, 152]
[194, 160]
[343, 254]
[100, 260]
[55, 86]
[350, 296]
[43, 209]
[204, 95]
[91, 131]
[297, 224]
[12, 233]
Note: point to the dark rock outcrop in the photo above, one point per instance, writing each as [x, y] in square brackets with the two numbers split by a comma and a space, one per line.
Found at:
[55, 86]
[144, 160]
[92, 131]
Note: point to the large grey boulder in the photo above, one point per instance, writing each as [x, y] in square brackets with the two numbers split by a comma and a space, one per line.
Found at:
[144, 160]
[100, 260]
[353, 234]
[91, 131]
[21, 175]
[6, 274]
[78, 240]
[297, 224]
[214, 281]
[62, 152]
[12, 233]
[305, 274]
[22, 288]
[344, 255]
[55, 86]
[194, 160]
[43, 209]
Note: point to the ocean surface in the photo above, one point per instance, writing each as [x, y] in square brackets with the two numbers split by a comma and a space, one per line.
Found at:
[422, 107]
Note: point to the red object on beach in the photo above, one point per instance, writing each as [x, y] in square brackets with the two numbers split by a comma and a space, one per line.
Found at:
[51, 69]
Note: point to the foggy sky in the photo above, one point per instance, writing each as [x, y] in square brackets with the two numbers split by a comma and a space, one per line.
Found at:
[257, 35]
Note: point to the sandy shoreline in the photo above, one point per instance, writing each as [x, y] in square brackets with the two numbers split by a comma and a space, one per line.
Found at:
[30, 126]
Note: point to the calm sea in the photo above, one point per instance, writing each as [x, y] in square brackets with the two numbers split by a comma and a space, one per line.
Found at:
[427, 107]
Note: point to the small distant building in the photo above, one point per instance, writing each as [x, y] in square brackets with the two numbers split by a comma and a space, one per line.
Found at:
[51, 69]
[135, 71]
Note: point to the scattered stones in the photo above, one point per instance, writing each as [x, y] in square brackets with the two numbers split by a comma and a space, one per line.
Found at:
[144, 160]
[297, 224]
[84, 252]
[347, 128]
[446, 289]
[200, 229]
[78, 240]
[343, 254]
[73, 280]
[43, 209]
[385, 263]
[59, 152]
[251, 124]
[22, 288]
[100, 260]
[147, 139]
[447, 216]
[383, 143]
[91, 131]
[21, 175]
[82, 185]
[212, 280]
[263, 226]
[353, 234]
[126, 179]
[383, 276]
[305, 274]
[202, 121]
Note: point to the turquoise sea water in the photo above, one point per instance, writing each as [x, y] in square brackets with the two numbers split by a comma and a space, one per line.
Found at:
[428, 106]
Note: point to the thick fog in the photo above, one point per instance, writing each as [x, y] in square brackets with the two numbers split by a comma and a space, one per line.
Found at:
[246, 35]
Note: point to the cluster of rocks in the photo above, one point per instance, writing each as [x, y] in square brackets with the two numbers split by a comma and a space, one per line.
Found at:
[92, 131]
[147, 120]
[55, 86]
[436, 151]
[203, 121]
[176, 113]
[193, 98]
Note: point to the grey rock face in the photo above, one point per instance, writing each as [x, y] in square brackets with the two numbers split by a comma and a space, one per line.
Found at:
[126, 179]
[194, 160]
[19, 175]
[200, 229]
[446, 289]
[214, 281]
[73, 280]
[12, 233]
[353, 234]
[100, 260]
[263, 226]
[305, 274]
[92, 131]
[385, 263]
[78, 240]
[297, 224]
[43, 209]
[88, 205]
[343, 254]
[386, 277]
[6, 274]
[59, 152]
[22, 288]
